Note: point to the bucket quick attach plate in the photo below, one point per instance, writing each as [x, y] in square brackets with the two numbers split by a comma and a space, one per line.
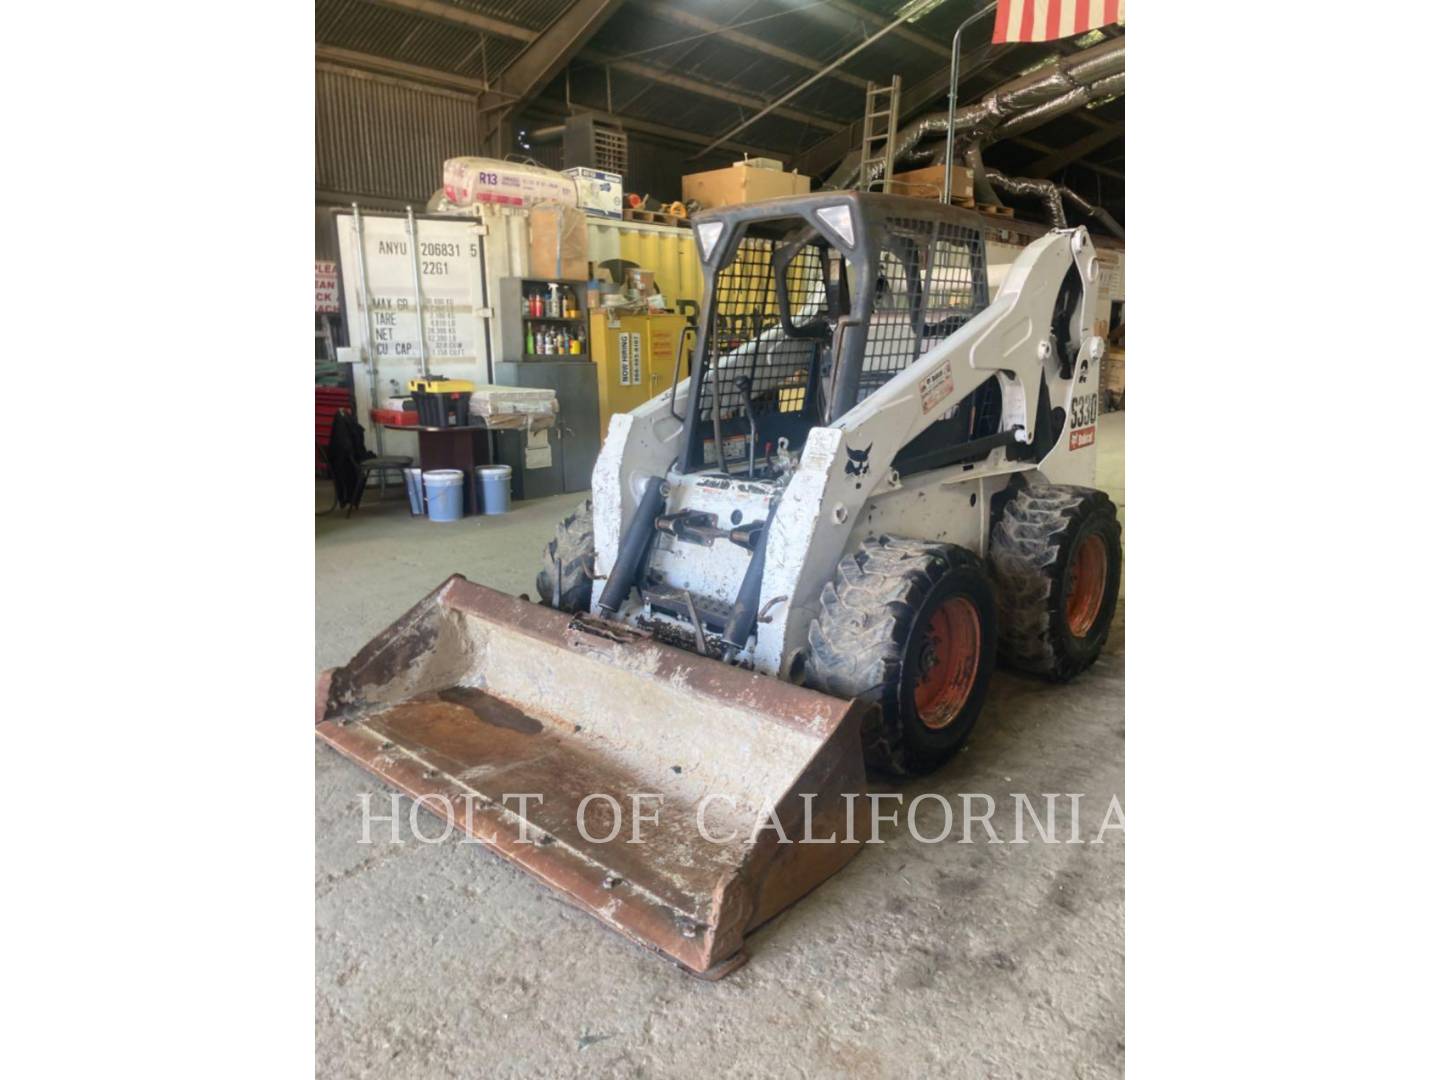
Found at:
[474, 695]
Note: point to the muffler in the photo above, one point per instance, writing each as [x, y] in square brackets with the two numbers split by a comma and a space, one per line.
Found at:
[653, 766]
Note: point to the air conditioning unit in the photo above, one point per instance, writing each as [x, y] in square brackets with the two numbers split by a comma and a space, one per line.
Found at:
[596, 142]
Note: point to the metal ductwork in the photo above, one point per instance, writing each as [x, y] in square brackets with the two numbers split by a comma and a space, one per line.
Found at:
[1024, 187]
[1059, 87]
[1053, 196]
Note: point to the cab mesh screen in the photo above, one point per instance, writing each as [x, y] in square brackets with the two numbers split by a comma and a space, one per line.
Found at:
[747, 338]
[931, 281]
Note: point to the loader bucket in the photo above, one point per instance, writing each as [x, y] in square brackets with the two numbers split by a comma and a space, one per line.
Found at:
[475, 697]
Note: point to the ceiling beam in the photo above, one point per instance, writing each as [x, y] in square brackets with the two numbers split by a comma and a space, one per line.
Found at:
[705, 89]
[357, 61]
[557, 109]
[1044, 148]
[1053, 163]
[442, 12]
[875, 19]
[682, 17]
[1103, 170]
[825, 153]
[517, 83]
[545, 56]
[364, 64]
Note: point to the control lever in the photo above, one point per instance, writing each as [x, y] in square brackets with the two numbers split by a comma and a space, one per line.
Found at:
[742, 387]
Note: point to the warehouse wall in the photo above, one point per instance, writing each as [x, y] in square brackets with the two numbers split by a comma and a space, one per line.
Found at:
[382, 142]
[386, 139]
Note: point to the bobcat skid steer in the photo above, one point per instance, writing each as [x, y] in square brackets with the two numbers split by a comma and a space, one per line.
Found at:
[801, 562]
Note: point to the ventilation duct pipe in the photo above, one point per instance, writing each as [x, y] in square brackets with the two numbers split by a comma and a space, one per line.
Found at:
[1053, 196]
[1060, 87]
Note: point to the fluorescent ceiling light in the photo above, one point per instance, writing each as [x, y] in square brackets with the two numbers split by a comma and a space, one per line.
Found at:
[916, 10]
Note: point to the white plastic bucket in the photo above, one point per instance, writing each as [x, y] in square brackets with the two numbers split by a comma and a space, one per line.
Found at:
[414, 488]
[494, 487]
[445, 494]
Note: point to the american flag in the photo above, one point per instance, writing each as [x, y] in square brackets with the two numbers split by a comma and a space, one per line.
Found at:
[1046, 20]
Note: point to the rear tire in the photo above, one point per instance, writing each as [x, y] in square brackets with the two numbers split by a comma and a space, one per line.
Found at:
[572, 554]
[912, 626]
[1055, 557]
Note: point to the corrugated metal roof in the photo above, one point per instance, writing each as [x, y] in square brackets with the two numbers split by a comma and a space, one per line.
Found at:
[640, 32]
[412, 39]
[531, 14]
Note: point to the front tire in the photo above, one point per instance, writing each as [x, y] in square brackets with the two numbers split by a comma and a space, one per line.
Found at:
[1055, 556]
[912, 626]
[569, 560]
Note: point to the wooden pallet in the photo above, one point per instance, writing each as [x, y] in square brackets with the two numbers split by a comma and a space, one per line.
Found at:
[654, 217]
[998, 211]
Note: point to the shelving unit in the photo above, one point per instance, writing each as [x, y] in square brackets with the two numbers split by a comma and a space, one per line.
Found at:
[517, 324]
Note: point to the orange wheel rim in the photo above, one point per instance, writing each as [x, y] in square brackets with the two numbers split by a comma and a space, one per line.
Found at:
[1089, 567]
[949, 662]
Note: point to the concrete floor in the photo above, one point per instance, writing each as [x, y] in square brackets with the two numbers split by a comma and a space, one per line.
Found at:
[915, 961]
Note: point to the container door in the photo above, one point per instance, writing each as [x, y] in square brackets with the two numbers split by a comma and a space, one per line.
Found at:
[434, 266]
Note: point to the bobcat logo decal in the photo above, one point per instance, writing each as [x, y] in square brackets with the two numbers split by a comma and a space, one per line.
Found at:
[859, 463]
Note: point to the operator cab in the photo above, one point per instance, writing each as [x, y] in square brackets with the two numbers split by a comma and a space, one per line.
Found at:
[813, 302]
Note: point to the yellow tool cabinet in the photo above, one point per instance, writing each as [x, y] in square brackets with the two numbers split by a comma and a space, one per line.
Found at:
[635, 358]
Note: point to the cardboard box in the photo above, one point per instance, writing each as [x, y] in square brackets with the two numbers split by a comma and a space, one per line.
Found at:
[927, 183]
[559, 245]
[599, 192]
[741, 184]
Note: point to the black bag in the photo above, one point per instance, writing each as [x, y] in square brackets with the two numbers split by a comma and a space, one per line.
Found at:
[346, 452]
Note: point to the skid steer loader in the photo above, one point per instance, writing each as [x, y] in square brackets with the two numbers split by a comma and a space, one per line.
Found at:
[802, 561]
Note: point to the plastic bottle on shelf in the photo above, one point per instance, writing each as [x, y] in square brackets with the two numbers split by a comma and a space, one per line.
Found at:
[530, 339]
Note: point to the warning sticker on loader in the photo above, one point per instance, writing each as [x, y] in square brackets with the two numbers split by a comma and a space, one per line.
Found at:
[737, 448]
[936, 387]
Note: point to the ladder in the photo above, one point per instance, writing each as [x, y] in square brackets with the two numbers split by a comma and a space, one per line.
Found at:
[877, 143]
